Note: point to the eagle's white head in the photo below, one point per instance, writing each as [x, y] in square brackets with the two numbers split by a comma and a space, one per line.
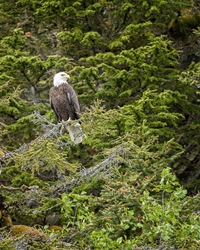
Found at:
[60, 78]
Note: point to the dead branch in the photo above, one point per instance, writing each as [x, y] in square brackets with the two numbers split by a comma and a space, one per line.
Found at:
[23, 188]
[104, 169]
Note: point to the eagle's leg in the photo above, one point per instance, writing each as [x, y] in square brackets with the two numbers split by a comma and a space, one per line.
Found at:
[69, 120]
[64, 124]
[63, 128]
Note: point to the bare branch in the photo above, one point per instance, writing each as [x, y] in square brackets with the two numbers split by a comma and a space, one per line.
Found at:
[104, 169]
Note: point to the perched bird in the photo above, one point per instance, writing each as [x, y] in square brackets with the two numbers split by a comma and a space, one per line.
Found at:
[64, 102]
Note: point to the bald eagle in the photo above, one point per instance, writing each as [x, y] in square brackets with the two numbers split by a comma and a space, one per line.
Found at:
[64, 102]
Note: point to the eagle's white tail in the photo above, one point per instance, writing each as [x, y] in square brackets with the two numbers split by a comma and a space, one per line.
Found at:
[75, 132]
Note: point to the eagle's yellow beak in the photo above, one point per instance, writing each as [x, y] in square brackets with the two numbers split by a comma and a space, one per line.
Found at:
[66, 76]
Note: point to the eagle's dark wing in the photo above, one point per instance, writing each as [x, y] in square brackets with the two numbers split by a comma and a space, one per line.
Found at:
[51, 97]
[73, 101]
[51, 104]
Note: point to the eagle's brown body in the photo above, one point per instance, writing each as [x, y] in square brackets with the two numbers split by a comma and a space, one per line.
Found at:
[64, 102]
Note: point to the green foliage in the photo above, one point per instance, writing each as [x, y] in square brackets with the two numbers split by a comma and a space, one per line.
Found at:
[6, 244]
[118, 207]
[149, 116]
[75, 210]
[19, 177]
[123, 77]
[155, 121]
[164, 220]
[94, 186]
[133, 208]
[10, 103]
[188, 81]
[168, 222]
[152, 219]
[38, 157]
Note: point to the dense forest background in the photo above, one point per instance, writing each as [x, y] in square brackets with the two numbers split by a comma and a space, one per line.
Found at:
[134, 181]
